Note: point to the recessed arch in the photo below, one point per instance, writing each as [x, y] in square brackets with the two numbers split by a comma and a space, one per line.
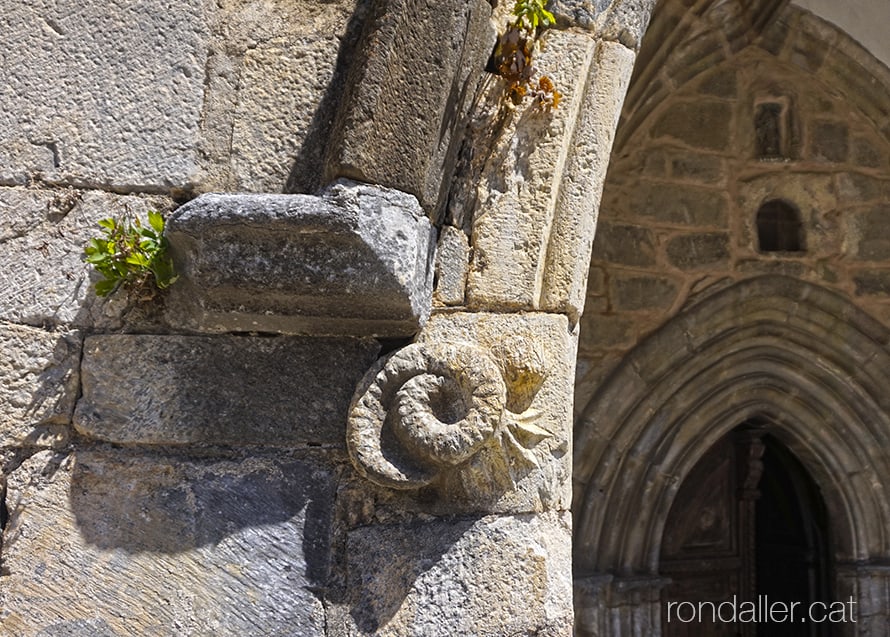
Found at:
[791, 353]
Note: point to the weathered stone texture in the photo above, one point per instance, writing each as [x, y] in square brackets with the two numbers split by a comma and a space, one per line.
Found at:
[229, 390]
[529, 469]
[624, 21]
[106, 544]
[698, 250]
[634, 292]
[280, 87]
[536, 214]
[452, 264]
[43, 236]
[39, 374]
[680, 204]
[397, 126]
[702, 124]
[356, 260]
[489, 576]
[106, 94]
[625, 244]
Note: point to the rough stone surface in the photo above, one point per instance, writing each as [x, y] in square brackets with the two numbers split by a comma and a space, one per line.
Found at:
[109, 93]
[356, 260]
[227, 390]
[528, 468]
[581, 184]
[700, 125]
[452, 263]
[698, 250]
[109, 544]
[629, 245]
[43, 234]
[38, 384]
[489, 576]
[624, 21]
[640, 293]
[520, 184]
[397, 126]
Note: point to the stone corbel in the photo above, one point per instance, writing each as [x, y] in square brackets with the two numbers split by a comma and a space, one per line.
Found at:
[460, 415]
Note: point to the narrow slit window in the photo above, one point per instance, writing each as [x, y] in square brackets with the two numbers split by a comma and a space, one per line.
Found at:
[771, 130]
[779, 228]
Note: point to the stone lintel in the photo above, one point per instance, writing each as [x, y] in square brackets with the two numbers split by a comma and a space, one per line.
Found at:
[355, 260]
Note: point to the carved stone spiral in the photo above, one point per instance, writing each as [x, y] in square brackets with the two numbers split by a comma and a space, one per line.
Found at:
[425, 408]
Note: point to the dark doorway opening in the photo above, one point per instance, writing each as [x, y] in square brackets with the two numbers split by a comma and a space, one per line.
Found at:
[747, 535]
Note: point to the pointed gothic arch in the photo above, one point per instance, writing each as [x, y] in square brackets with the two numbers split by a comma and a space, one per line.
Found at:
[793, 354]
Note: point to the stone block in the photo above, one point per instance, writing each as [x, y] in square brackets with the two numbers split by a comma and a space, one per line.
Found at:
[625, 245]
[623, 21]
[855, 188]
[279, 93]
[719, 83]
[680, 204]
[635, 292]
[228, 390]
[702, 124]
[873, 233]
[605, 331]
[452, 264]
[533, 177]
[111, 544]
[356, 260]
[44, 232]
[38, 384]
[872, 282]
[581, 183]
[489, 577]
[109, 94]
[866, 154]
[408, 94]
[830, 141]
[706, 169]
[691, 251]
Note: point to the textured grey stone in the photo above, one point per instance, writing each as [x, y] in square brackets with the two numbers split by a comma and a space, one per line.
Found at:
[628, 245]
[102, 93]
[636, 292]
[110, 544]
[42, 235]
[219, 390]
[701, 124]
[356, 260]
[408, 93]
[624, 21]
[452, 263]
[38, 384]
[698, 250]
[830, 141]
[489, 577]
[682, 204]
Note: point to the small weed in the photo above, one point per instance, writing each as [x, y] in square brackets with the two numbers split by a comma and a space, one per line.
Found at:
[515, 50]
[131, 255]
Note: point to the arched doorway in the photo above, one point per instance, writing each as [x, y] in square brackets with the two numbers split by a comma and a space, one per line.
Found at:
[748, 529]
[772, 350]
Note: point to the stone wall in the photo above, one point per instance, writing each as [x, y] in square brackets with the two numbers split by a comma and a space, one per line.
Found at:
[300, 438]
[678, 218]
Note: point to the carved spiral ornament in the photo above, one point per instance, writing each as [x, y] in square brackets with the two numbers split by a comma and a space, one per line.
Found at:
[422, 410]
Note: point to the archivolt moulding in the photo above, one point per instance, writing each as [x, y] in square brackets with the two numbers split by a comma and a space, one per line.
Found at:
[801, 358]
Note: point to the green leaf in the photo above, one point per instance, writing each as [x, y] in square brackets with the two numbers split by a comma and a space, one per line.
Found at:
[156, 221]
[105, 287]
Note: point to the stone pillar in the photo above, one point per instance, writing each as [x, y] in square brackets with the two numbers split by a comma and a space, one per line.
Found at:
[867, 586]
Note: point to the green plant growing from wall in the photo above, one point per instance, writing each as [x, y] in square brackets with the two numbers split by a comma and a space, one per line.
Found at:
[131, 255]
[515, 52]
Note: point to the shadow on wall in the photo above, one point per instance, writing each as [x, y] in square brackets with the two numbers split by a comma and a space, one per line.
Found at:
[306, 174]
